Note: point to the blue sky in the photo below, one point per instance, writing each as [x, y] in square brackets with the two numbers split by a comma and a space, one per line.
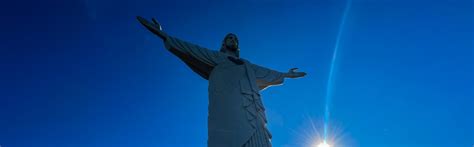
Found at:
[86, 73]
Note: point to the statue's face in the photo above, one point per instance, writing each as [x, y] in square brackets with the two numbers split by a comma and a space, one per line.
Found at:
[231, 42]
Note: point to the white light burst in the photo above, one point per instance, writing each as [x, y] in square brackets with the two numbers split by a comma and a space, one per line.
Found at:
[323, 144]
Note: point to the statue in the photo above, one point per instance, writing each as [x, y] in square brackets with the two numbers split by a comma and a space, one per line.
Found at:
[236, 112]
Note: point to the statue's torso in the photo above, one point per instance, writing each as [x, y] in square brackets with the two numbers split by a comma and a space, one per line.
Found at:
[227, 120]
[235, 108]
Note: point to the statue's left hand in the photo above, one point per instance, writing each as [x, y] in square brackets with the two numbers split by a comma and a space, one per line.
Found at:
[292, 73]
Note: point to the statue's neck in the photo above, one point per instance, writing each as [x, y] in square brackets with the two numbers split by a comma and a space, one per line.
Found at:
[231, 53]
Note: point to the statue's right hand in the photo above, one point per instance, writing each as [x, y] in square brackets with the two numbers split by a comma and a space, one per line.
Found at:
[153, 26]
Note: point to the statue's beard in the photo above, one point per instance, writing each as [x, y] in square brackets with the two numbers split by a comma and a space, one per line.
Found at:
[232, 48]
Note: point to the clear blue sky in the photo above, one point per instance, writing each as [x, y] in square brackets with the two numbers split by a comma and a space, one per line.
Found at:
[86, 73]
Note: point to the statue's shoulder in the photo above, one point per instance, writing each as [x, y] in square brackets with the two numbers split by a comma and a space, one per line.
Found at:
[245, 61]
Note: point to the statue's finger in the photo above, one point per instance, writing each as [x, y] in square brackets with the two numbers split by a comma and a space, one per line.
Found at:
[293, 69]
[141, 19]
[304, 74]
[156, 23]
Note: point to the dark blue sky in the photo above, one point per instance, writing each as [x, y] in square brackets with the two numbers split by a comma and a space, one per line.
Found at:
[86, 73]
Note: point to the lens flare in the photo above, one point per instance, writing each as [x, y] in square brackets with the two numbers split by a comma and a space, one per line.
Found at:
[323, 144]
[329, 88]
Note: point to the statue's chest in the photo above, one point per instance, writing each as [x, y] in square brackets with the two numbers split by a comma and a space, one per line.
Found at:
[228, 70]
[227, 74]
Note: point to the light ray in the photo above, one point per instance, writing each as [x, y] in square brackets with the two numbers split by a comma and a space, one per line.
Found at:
[330, 83]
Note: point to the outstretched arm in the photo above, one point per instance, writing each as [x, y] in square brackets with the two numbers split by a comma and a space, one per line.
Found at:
[173, 44]
[201, 60]
[267, 77]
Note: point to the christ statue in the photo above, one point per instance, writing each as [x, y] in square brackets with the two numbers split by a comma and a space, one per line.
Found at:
[236, 112]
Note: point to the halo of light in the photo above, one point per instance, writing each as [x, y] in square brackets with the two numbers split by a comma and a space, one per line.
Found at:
[323, 144]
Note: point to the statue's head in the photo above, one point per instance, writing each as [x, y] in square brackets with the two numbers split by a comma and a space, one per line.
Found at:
[230, 44]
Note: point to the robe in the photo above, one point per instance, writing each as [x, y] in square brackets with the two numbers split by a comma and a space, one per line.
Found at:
[236, 115]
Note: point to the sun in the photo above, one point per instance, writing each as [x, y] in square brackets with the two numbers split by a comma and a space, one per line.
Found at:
[323, 144]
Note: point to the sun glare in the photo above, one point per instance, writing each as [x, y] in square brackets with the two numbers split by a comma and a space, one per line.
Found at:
[323, 144]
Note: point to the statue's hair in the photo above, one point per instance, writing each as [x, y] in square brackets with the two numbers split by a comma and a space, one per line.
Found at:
[230, 34]
[224, 49]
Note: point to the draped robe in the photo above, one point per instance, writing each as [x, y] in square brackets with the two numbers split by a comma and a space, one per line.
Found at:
[236, 112]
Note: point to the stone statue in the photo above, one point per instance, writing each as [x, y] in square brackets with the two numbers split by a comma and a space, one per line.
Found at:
[236, 112]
